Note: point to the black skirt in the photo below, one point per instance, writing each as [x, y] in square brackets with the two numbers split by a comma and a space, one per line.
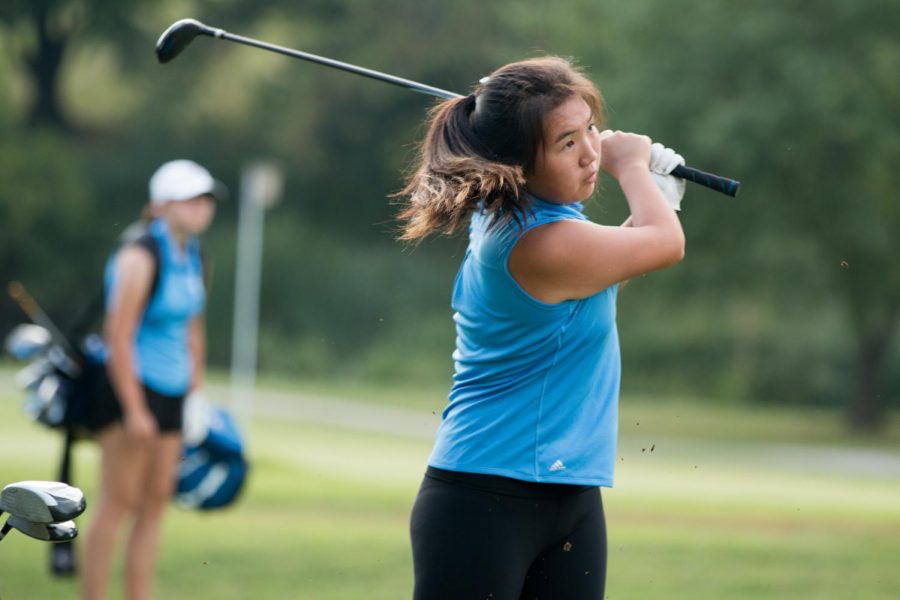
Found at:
[105, 408]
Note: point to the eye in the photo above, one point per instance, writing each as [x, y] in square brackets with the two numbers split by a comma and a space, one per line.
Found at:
[569, 144]
[592, 127]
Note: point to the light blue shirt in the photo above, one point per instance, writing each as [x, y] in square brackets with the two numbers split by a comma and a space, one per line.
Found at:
[163, 359]
[536, 385]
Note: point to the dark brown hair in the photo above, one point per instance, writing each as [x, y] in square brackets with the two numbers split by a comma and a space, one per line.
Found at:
[481, 147]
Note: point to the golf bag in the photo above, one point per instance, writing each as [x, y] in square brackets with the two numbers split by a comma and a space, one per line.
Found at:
[58, 383]
[213, 468]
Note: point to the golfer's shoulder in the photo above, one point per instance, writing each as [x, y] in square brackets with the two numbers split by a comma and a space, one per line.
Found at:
[135, 258]
[555, 240]
[549, 248]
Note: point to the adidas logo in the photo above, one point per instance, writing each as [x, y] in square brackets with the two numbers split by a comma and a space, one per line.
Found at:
[558, 466]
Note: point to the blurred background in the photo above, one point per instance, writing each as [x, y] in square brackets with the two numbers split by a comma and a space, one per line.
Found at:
[764, 369]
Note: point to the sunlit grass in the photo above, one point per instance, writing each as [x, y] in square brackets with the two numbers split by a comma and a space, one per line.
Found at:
[694, 515]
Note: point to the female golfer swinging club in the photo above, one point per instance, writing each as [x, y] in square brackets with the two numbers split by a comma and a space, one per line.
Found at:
[510, 504]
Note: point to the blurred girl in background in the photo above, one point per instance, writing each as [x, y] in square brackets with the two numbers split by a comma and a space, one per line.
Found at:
[155, 339]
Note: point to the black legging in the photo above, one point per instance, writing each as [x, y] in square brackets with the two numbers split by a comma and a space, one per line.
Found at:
[482, 537]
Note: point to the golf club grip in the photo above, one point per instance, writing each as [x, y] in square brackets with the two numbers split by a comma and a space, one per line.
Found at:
[718, 183]
[18, 293]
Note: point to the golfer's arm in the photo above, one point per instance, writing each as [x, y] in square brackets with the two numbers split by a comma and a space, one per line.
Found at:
[121, 374]
[197, 346]
[133, 274]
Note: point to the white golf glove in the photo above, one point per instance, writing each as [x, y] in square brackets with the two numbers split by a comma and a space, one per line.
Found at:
[662, 161]
[196, 415]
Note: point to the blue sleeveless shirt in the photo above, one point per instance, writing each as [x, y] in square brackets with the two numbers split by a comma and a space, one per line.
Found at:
[536, 385]
[162, 356]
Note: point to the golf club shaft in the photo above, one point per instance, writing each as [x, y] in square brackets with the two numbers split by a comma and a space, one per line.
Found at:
[328, 62]
[718, 183]
[31, 308]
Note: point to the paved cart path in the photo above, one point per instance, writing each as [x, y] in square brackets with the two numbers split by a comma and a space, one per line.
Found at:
[290, 406]
[365, 416]
[872, 463]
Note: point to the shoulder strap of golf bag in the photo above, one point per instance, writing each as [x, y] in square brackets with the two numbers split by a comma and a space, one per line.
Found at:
[62, 555]
[149, 243]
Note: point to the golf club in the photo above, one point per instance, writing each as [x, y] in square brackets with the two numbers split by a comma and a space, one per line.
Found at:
[47, 403]
[42, 501]
[30, 377]
[181, 33]
[46, 532]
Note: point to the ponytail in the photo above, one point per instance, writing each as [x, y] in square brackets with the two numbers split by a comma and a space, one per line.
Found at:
[147, 215]
[457, 172]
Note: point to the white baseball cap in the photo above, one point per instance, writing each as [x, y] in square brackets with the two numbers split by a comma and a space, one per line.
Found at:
[179, 180]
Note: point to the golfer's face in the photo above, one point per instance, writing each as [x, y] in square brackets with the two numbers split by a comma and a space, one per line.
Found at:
[193, 215]
[566, 166]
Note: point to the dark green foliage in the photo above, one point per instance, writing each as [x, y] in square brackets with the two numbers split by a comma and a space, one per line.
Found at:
[788, 294]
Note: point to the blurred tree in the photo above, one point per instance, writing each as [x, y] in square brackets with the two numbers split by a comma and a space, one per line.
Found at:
[46, 207]
[800, 109]
[50, 26]
[805, 111]
[847, 91]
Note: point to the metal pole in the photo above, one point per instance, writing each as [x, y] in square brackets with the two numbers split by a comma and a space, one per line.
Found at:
[260, 189]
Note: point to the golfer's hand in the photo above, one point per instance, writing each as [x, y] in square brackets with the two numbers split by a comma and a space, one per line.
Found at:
[140, 426]
[621, 152]
[662, 161]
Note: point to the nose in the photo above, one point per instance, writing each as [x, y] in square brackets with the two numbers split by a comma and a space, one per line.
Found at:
[590, 155]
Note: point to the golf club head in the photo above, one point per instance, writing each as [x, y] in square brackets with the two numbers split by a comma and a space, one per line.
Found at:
[27, 341]
[42, 501]
[30, 377]
[47, 532]
[47, 403]
[181, 33]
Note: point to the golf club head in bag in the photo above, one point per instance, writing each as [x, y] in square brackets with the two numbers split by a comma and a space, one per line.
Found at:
[47, 402]
[40, 381]
[47, 532]
[27, 341]
[44, 378]
[58, 390]
[213, 469]
[42, 501]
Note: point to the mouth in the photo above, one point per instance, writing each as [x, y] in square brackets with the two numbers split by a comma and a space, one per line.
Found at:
[592, 178]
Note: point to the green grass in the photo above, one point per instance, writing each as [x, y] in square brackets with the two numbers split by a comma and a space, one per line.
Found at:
[721, 508]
